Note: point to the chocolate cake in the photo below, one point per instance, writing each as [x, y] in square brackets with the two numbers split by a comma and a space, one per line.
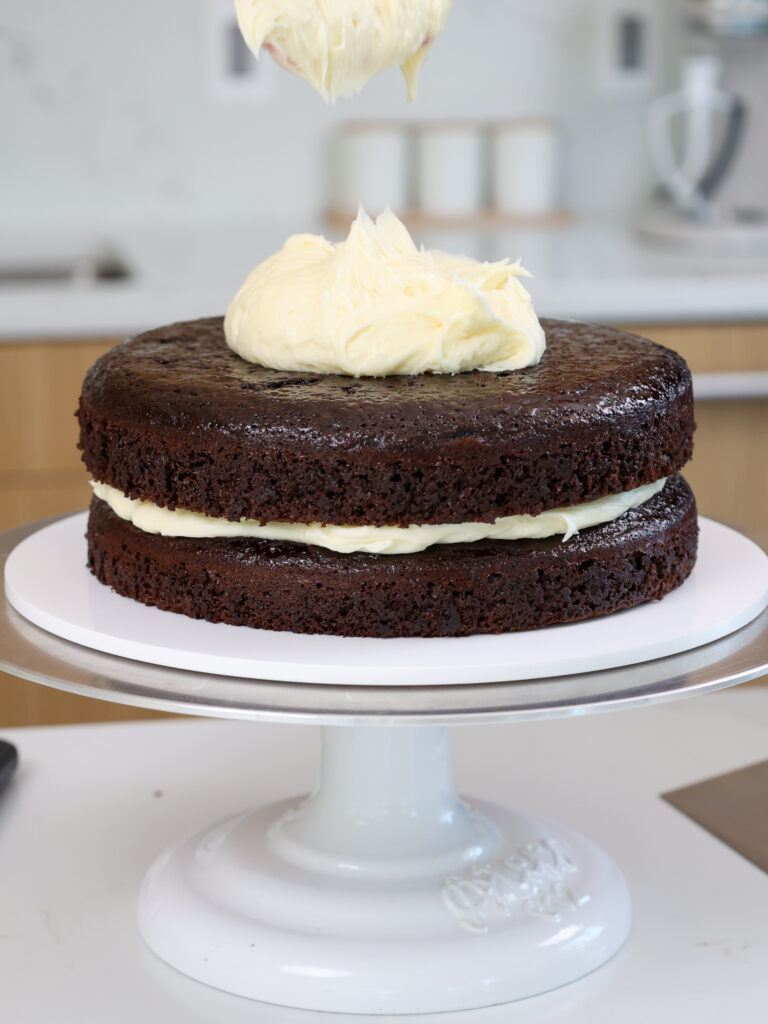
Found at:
[173, 417]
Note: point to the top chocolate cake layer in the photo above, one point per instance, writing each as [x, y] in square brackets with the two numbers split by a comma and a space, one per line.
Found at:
[174, 417]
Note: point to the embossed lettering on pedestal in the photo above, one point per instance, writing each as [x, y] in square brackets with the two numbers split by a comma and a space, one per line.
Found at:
[533, 879]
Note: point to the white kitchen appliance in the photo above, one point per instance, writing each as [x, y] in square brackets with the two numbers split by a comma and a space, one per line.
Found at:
[695, 134]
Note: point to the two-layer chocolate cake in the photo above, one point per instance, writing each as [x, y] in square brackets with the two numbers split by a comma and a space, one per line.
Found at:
[379, 440]
[174, 420]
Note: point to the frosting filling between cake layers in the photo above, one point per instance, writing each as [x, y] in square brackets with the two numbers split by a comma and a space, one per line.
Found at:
[388, 540]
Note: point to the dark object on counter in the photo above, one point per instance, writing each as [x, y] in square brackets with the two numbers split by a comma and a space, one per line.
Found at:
[102, 265]
[176, 418]
[733, 807]
[447, 590]
[8, 761]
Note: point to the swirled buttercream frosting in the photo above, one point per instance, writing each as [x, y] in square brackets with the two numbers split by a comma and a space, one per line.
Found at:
[338, 45]
[375, 304]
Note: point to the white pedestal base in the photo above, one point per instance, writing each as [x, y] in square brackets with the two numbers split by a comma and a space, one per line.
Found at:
[385, 893]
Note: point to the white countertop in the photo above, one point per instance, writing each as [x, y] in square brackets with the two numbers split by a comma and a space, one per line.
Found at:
[91, 806]
[599, 272]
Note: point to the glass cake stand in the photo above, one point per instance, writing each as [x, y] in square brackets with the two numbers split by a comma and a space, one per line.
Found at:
[382, 891]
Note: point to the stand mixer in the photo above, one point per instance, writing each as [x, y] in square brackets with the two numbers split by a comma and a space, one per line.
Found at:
[695, 134]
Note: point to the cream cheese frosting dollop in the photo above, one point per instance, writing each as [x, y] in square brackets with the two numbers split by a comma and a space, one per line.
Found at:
[375, 304]
[338, 45]
[381, 540]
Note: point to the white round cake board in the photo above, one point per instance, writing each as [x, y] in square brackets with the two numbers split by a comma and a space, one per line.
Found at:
[48, 583]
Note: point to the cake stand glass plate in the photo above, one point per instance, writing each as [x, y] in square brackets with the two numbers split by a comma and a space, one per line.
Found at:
[383, 891]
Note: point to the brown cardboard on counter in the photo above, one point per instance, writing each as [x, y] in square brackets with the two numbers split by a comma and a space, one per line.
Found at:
[733, 807]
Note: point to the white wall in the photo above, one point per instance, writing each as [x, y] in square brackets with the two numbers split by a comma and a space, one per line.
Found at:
[107, 111]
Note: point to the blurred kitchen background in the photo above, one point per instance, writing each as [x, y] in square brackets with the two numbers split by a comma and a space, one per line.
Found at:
[148, 162]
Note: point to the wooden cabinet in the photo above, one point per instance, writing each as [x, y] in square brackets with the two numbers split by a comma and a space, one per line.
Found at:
[40, 468]
[41, 473]
[729, 470]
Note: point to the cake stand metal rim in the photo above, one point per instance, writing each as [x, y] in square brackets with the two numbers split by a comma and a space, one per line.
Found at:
[30, 652]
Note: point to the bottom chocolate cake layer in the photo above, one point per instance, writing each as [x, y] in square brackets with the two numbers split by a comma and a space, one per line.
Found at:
[447, 590]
